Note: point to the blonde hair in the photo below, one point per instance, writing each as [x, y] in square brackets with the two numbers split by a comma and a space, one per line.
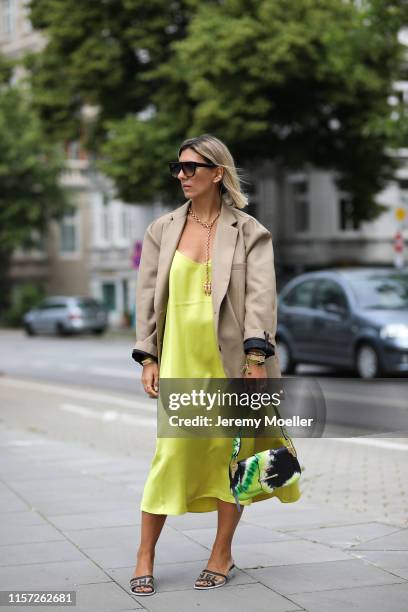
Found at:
[213, 150]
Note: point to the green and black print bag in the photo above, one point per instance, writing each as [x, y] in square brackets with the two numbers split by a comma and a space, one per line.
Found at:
[263, 472]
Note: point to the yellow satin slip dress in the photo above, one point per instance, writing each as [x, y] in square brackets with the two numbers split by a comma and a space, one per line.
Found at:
[191, 474]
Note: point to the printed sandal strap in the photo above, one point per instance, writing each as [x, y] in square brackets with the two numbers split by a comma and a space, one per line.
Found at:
[142, 580]
[207, 574]
[219, 573]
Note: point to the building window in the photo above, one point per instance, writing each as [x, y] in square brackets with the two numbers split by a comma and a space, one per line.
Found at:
[251, 191]
[27, 25]
[125, 290]
[39, 244]
[126, 222]
[73, 149]
[109, 296]
[8, 7]
[300, 191]
[107, 225]
[69, 231]
[40, 239]
[347, 220]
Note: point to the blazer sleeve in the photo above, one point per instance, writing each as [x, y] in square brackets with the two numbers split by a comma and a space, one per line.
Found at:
[260, 293]
[146, 332]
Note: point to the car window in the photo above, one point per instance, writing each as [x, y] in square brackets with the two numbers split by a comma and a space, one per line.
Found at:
[301, 295]
[379, 290]
[56, 304]
[86, 302]
[52, 304]
[330, 292]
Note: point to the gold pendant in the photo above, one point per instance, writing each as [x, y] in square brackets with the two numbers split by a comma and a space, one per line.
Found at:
[207, 288]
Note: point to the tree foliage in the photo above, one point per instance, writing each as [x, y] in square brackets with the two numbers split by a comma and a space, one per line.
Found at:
[30, 193]
[295, 82]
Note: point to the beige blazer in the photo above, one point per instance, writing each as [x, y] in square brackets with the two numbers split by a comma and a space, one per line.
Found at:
[243, 287]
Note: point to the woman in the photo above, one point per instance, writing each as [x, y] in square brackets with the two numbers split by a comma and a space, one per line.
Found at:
[206, 307]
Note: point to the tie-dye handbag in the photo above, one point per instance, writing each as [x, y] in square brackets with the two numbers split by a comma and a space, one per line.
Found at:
[263, 472]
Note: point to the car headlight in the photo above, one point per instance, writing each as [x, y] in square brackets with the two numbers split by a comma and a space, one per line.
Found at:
[394, 330]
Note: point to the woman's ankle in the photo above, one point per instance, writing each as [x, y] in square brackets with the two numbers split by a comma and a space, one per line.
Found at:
[223, 550]
[146, 552]
[219, 553]
[144, 562]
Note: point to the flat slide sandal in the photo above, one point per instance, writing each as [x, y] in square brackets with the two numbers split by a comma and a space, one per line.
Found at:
[209, 576]
[142, 581]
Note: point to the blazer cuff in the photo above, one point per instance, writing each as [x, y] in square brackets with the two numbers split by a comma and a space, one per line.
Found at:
[138, 355]
[260, 343]
[146, 346]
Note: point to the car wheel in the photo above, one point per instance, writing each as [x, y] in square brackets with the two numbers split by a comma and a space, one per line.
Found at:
[99, 332]
[29, 330]
[367, 361]
[287, 365]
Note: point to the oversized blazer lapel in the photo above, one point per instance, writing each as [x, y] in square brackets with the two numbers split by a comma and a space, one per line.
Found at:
[226, 235]
[223, 252]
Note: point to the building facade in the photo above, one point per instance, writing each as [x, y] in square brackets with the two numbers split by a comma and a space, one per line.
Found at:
[91, 251]
[311, 221]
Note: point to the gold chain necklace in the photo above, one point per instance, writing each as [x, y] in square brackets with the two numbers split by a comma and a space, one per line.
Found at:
[208, 227]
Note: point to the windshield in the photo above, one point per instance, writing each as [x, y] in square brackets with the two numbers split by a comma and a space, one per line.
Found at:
[86, 302]
[381, 291]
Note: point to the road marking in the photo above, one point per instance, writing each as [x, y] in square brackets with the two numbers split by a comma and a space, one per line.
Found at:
[374, 442]
[116, 372]
[147, 405]
[108, 416]
[95, 370]
[24, 442]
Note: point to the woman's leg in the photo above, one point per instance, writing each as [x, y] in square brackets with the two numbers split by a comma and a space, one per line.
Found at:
[221, 559]
[152, 524]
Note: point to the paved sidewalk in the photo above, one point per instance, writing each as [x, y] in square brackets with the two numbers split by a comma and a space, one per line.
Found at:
[70, 519]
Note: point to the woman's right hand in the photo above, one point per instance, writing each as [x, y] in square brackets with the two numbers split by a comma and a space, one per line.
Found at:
[150, 379]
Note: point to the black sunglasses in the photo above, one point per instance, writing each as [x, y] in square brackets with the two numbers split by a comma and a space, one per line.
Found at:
[188, 168]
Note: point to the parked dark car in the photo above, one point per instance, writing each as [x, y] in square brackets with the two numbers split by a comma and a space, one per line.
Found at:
[351, 318]
[64, 315]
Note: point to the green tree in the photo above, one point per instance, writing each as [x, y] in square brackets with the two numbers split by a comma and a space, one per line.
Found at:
[100, 53]
[289, 81]
[30, 193]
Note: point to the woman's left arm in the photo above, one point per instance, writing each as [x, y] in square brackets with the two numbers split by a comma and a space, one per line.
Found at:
[260, 294]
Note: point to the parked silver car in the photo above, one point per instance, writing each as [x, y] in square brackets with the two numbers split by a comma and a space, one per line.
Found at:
[64, 315]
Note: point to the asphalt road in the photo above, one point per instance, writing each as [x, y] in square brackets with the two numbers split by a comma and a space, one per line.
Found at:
[102, 362]
[101, 370]
[88, 390]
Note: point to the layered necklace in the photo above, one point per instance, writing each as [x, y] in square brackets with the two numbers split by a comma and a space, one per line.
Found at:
[208, 227]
